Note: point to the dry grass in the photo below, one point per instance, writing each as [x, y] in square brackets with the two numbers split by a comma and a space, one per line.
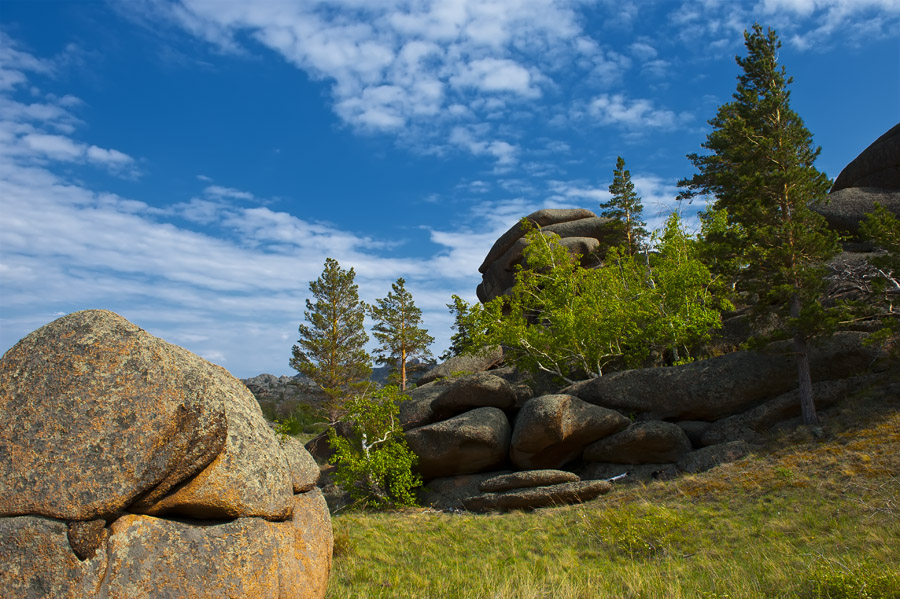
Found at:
[804, 517]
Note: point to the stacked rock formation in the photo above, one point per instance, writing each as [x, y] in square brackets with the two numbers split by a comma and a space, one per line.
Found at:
[483, 447]
[580, 230]
[130, 467]
[873, 176]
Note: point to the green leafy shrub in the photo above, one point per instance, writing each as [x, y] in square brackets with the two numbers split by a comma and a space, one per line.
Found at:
[374, 465]
[866, 582]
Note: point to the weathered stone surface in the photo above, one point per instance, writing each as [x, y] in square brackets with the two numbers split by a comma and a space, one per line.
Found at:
[95, 413]
[710, 457]
[86, 537]
[694, 429]
[636, 473]
[847, 207]
[651, 442]
[527, 479]
[718, 387]
[448, 493]
[537, 497]
[552, 430]
[876, 166]
[481, 390]
[249, 477]
[472, 442]
[303, 468]
[246, 557]
[541, 218]
[488, 357]
[416, 411]
[37, 562]
[746, 425]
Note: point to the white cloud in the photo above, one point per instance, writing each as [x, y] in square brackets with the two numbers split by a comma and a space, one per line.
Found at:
[415, 69]
[497, 75]
[616, 109]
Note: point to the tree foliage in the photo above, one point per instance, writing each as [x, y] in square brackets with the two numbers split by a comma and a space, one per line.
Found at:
[625, 207]
[331, 349]
[398, 330]
[574, 322]
[374, 465]
[882, 227]
[461, 337]
[760, 171]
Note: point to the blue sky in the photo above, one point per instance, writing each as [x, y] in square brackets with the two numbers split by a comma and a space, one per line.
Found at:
[190, 164]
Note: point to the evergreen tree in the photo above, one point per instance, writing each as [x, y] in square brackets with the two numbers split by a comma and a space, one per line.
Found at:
[760, 170]
[331, 348]
[462, 338]
[397, 328]
[625, 207]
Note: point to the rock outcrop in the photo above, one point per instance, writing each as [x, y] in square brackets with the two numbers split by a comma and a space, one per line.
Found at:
[580, 230]
[552, 430]
[475, 441]
[119, 451]
[650, 442]
[873, 176]
[721, 386]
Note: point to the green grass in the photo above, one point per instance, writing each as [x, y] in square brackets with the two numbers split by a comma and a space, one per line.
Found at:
[806, 518]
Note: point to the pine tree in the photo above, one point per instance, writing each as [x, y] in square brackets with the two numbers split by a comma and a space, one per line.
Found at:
[462, 338]
[760, 170]
[397, 328]
[625, 207]
[331, 349]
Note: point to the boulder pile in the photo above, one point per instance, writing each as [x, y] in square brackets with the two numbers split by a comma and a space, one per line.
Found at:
[580, 230]
[481, 447]
[130, 467]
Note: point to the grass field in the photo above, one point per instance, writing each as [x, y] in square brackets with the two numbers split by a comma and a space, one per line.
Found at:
[803, 517]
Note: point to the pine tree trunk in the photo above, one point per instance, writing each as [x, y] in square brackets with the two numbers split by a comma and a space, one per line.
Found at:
[801, 352]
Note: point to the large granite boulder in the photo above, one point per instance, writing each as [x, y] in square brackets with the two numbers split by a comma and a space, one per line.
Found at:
[475, 441]
[873, 176]
[718, 387]
[96, 414]
[102, 424]
[876, 166]
[552, 430]
[144, 556]
[469, 364]
[846, 208]
[472, 391]
[580, 230]
[650, 442]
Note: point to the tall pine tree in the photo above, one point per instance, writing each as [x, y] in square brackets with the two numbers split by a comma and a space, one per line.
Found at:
[331, 348]
[625, 207]
[761, 175]
[398, 330]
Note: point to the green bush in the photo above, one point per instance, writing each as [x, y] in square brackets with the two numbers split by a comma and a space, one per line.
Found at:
[374, 465]
[867, 582]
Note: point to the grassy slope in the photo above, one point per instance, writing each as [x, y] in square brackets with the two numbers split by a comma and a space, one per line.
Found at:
[803, 517]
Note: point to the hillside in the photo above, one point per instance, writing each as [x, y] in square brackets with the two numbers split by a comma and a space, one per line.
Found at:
[800, 517]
